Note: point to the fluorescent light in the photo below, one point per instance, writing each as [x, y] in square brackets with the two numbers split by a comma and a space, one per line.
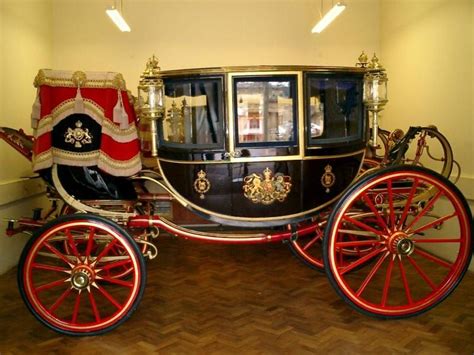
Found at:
[329, 17]
[117, 18]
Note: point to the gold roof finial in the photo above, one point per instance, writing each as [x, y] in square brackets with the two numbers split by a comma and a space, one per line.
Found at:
[363, 60]
[375, 63]
[152, 68]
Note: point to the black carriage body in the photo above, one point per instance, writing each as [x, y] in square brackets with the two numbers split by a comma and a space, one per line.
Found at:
[261, 146]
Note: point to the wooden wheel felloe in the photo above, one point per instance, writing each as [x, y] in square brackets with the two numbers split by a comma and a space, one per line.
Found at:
[81, 289]
[406, 217]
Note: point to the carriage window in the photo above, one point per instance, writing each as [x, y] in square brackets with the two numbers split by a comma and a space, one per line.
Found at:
[194, 112]
[265, 110]
[334, 110]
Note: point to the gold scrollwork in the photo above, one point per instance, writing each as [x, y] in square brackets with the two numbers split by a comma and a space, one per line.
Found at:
[201, 185]
[78, 136]
[79, 78]
[328, 179]
[267, 189]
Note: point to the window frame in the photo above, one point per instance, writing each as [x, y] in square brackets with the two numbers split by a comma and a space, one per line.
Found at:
[221, 109]
[318, 142]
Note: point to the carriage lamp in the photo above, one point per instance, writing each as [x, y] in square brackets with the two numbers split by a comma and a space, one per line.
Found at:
[375, 91]
[150, 103]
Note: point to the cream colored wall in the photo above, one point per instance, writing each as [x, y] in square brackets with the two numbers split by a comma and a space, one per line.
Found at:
[201, 33]
[426, 46]
[25, 46]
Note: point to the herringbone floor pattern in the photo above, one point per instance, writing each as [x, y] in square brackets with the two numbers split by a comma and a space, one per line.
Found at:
[215, 299]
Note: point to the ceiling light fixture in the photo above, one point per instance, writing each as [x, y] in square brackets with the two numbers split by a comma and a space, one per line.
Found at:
[329, 17]
[117, 18]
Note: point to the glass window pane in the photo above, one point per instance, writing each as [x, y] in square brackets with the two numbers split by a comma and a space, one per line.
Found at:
[193, 112]
[335, 112]
[265, 110]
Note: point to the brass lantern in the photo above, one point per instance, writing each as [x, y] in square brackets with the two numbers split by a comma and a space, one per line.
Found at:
[375, 93]
[151, 93]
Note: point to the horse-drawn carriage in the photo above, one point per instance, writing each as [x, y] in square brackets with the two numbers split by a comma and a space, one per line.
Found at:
[273, 154]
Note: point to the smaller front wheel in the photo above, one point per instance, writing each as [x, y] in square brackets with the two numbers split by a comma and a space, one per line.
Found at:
[415, 228]
[70, 275]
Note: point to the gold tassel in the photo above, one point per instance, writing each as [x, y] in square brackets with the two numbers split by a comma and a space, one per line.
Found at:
[120, 115]
[79, 102]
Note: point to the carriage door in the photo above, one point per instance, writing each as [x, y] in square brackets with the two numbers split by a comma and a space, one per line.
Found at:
[263, 137]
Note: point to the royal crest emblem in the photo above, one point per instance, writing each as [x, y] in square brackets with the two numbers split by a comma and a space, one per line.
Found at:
[328, 179]
[78, 136]
[201, 185]
[267, 189]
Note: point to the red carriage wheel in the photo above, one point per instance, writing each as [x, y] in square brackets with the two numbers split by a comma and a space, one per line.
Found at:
[308, 248]
[406, 217]
[74, 290]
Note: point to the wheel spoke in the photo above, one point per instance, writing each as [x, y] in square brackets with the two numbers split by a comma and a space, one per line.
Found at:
[364, 259]
[114, 265]
[363, 226]
[372, 273]
[58, 253]
[109, 297]
[433, 258]
[94, 307]
[90, 241]
[358, 243]
[105, 251]
[424, 210]
[60, 300]
[405, 281]
[115, 281]
[312, 241]
[70, 241]
[440, 240]
[408, 203]
[75, 312]
[50, 267]
[388, 278]
[375, 212]
[390, 203]
[50, 285]
[422, 273]
[434, 223]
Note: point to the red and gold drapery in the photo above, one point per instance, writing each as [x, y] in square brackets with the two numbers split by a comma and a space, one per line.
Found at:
[85, 119]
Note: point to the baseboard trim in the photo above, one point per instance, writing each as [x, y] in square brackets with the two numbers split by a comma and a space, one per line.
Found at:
[14, 190]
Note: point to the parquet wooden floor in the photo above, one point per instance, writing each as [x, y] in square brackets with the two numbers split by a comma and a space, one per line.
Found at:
[215, 299]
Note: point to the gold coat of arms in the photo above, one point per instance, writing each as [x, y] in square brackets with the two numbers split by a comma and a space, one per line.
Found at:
[267, 189]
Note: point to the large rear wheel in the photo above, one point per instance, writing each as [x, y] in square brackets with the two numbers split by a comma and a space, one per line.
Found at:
[70, 275]
[416, 228]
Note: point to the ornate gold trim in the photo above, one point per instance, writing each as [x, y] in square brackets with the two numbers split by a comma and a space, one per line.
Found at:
[78, 136]
[201, 185]
[99, 80]
[328, 179]
[188, 204]
[267, 189]
[259, 68]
